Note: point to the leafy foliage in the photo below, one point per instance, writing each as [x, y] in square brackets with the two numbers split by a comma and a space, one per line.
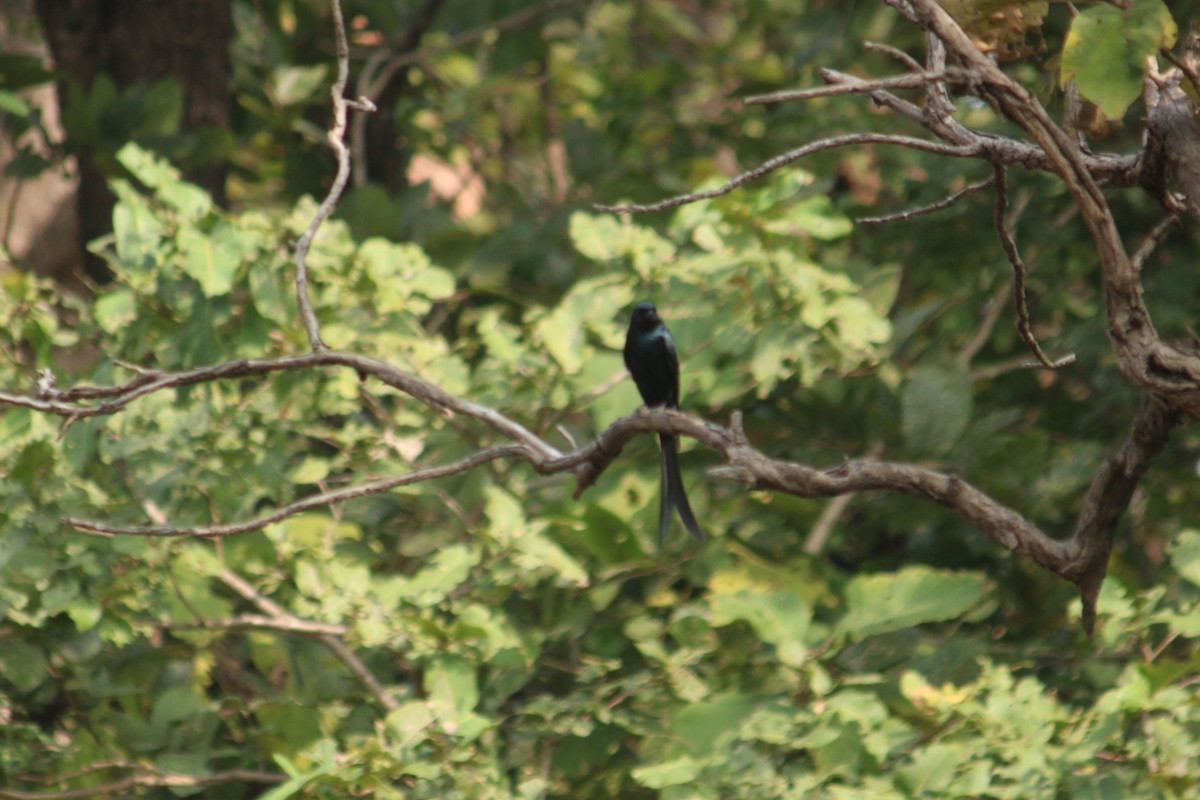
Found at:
[535, 645]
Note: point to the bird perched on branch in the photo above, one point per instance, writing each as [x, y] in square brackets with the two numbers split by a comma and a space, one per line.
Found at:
[653, 361]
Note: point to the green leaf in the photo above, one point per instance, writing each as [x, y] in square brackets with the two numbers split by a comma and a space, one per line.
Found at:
[451, 688]
[296, 783]
[23, 665]
[703, 728]
[115, 310]
[11, 102]
[779, 617]
[538, 551]
[32, 465]
[813, 216]
[599, 237]
[933, 770]
[158, 174]
[1105, 51]
[175, 704]
[447, 570]
[410, 721]
[1185, 555]
[289, 85]
[83, 613]
[400, 271]
[914, 595]
[270, 299]
[936, 408]
[676, 772]
[211, 260]
[137, 231]
[310, 470]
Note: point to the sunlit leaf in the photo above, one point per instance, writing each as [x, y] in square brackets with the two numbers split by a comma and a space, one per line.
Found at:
[1106, 48]
[886, 602]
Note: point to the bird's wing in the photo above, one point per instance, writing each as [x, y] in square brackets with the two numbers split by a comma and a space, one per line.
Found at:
[672, 365]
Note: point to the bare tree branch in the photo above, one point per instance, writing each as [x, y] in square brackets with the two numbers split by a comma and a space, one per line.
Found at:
[147, 777]
[744, 465]
[894, 52]
[336, 133]
[822, 529]
[940, 205]
[1110, 169]
[1018, 267]
[319, 500]
[339, 648]
[1109, 496]
[1160, 231]
[257, 622]
[117, 398]
[911, 81]
[1143, 357]
[794, 155]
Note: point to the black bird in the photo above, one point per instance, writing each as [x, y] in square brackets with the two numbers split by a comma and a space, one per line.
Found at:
[653, 361]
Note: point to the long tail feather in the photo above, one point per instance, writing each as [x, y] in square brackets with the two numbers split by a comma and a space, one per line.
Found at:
[673, 494]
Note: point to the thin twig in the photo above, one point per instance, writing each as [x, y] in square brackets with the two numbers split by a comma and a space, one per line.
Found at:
[318, 500]
[1160, 231]
[87, 769]
[335, 644]
[896, 53]
[147, 778]
[1183, 66]
[990, 318]
[1111, 169]
[511, 22]
[910, 81]
[342, 652]
[794, 155]
[823, 527]
[1144, 358]
[336, 133]
[303, 627]
[1014, 258]
[120, 396]
[944, 203]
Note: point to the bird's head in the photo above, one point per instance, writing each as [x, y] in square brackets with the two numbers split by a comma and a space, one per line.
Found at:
[645, 317]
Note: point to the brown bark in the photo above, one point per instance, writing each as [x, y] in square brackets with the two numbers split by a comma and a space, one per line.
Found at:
[134, 41]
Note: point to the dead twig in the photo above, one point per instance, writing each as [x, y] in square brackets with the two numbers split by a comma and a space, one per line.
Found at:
[335, 136]
[787, 158]
[1014, 258]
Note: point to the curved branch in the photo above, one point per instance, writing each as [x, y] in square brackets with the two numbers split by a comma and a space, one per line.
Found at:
[940, 205]
[1075, 559]
[319, 500]
[794, 155]
[258, 622]
[1142, 356]
[1024, 327]
[148, 777]
[1082, 559]
[339, 648]
[336, 133]
[1110, 169]
[1109, 496]
[744, 464]
[912, 80]
[117, 398]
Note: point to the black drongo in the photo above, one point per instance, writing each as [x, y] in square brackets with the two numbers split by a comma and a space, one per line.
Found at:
[653, 361]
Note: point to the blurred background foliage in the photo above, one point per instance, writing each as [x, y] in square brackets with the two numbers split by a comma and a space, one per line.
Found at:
[535, 645]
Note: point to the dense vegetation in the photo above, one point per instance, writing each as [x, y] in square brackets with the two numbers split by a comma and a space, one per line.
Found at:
[484, 633]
